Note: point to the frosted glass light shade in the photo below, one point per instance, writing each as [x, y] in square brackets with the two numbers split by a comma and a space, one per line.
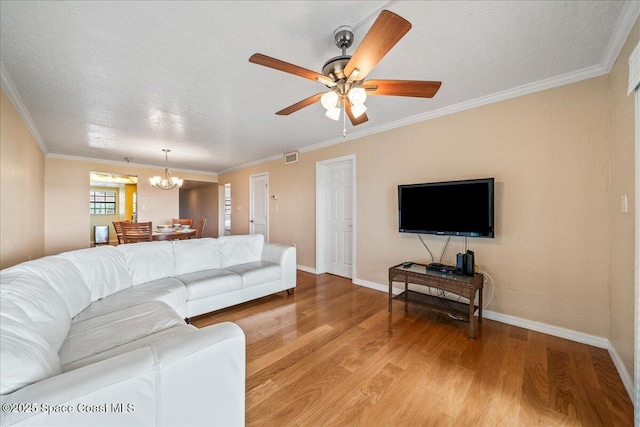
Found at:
[333, 113]
[166, 181]
[329, 100]
[357, 96]
[358, 110]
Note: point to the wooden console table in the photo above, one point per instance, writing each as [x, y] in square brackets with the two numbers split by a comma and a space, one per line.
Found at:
[465, 286]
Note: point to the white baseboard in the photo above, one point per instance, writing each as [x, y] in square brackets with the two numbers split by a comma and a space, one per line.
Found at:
[376, 286]
[306, 269]
[544, 328]
[626, 378]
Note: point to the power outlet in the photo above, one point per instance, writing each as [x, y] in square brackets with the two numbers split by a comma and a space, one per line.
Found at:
[624, 203]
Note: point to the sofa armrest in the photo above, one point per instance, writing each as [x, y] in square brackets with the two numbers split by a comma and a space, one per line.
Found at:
[160, 385]
[286, 257]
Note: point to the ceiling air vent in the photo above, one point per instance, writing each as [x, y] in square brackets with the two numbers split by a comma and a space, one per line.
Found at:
[291, 157]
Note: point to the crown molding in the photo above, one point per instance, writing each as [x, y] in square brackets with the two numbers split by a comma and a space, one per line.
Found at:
[16, 100]
[257, 162]
[120, 163]
[628, 17]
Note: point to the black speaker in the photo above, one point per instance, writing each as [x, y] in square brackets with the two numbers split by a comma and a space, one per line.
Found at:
[461, 264]
[469, 264]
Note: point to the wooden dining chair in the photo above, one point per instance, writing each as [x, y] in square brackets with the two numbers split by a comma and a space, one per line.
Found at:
[118, 227]
[183, 221]
[200, 228]
[133, 232]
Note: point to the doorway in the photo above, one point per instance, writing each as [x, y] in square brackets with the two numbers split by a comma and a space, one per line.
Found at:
[199, 200]
[112, 197]
[259, 205]
[335, 216]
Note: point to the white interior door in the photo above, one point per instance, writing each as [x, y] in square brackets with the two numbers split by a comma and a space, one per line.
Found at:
[259, 205]
[338, 218]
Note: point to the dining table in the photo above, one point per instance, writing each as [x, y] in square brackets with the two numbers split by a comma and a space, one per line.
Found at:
[174, 234]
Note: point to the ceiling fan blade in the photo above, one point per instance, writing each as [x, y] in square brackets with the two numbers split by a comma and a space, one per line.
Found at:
[300, 105]
[276, 64]
[388, 29]
[415, 88]
[354, 120]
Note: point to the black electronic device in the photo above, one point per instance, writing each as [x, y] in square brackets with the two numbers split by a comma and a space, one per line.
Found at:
[408, 264]
[461, 264]
[469, 264]
[441, 268]
[455, 208]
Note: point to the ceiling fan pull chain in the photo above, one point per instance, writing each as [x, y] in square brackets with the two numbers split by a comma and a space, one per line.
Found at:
[344, 123]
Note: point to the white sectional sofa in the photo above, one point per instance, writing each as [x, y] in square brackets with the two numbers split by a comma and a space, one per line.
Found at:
[98, 337]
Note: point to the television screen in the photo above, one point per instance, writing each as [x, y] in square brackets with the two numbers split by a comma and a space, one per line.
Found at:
[456, 208]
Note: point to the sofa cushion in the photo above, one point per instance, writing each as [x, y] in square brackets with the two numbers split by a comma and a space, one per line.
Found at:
[62, 276]
[196, 255]
[241, 249]
[203, 284]
[101, 333]
[40, 302]
[103, 269]
[146, 341]
[148, 261]
[25, 356]
[169, 291]
[257, 273]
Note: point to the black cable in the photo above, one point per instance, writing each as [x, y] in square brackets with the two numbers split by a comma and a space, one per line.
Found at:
[425, 245]
[445, 249]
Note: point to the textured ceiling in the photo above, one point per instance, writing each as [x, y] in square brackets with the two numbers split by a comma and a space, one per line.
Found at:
[109, 80]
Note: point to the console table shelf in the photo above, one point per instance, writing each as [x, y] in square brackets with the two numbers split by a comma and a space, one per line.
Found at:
[465, 286]
[456, 309]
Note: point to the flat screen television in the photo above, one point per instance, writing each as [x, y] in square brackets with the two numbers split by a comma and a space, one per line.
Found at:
[455, 208]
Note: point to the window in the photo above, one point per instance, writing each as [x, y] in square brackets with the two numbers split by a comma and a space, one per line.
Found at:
[102, 202]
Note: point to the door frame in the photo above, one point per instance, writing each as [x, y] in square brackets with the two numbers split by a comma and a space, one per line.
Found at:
[266, 175]
[322, 168]
[636, 397]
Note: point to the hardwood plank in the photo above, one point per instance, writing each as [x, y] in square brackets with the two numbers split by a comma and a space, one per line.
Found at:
[279, 353]
[332, 354]
[505, 403]
[357, 407]
[562, 386]
[611, 387]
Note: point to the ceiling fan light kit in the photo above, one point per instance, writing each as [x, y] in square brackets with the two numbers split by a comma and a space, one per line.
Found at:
[345, 75]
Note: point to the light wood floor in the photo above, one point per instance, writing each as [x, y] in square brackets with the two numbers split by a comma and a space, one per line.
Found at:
[331, 354]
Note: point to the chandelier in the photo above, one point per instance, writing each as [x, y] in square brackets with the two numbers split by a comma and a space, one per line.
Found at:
[166, 181]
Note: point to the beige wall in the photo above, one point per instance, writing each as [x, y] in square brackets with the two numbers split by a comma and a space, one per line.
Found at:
[66, 206]
[22, 189]
[549, 154]
[621, 287]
